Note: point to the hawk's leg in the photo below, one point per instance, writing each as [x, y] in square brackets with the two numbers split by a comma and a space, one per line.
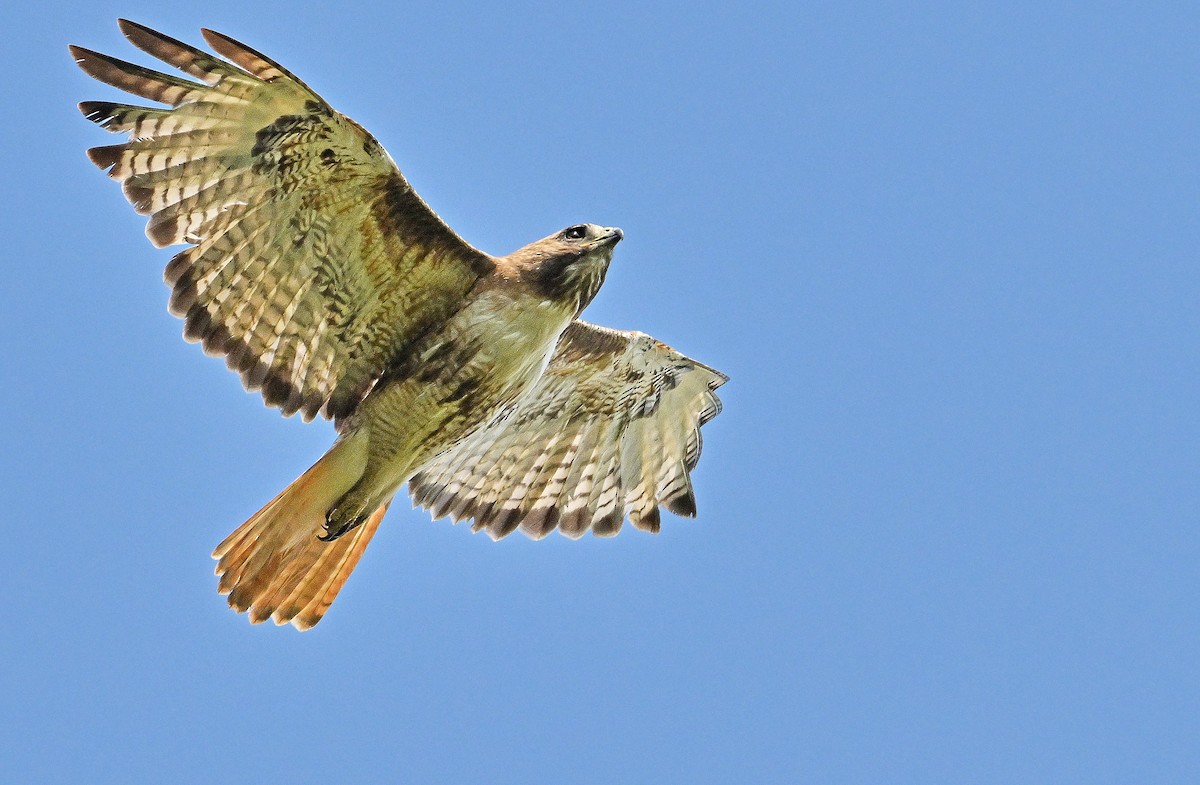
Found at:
[354, 508]
[337, 524]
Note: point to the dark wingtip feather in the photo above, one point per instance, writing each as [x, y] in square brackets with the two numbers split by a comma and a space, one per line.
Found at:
[309, 409]
[575, 523]
[505, 523]
[275, 390]
[238, 356]
[256, 374]
[97, 111]
[133, 30]
[650, 522]
[250, 59]
[170, 50]
[163, 230]
[482, 516]
[426, 499]
[80, 54]
[684, 505]
[214, 39]
[183, 297]
[609, 525]
[294, 399]
[133, 78]
[106, 156]
[438, 502]
[540, 522]
[180, 263]
[215, 342]
[139, 196]
[150, 41]
[196, 323]
[109, 70]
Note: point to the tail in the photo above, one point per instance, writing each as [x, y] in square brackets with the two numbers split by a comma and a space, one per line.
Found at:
[274, 566]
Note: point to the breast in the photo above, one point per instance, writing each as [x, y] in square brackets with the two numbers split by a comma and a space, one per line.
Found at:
[509, 340]
[477, 364]
[458, 378]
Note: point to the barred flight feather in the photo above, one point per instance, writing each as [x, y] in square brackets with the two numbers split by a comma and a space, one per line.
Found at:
[315, 265]
[610, 431]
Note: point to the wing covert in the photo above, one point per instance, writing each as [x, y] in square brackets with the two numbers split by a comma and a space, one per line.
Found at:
[612, 429]
[313, 263]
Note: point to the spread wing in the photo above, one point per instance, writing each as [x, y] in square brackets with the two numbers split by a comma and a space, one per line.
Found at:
[314, 264]
[611, 429]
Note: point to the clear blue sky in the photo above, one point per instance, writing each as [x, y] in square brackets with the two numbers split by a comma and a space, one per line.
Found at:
[948, 519]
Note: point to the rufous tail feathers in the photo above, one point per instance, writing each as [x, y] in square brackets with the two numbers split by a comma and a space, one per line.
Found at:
[274, 566]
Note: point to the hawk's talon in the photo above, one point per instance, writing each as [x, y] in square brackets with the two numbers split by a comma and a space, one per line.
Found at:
[335, 530]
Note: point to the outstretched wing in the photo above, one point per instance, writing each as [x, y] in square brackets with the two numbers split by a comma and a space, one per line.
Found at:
[314, 263]
[611, 429]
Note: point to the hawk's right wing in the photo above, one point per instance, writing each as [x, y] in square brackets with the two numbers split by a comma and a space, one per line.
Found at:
[611, 429]
[314, 264]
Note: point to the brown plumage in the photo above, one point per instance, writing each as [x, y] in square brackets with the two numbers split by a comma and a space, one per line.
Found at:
[326, 282]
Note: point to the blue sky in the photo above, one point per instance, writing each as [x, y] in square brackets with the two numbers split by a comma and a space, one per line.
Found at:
[947, 532]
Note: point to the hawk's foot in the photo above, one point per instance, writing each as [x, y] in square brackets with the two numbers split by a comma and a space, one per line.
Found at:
[335, 527]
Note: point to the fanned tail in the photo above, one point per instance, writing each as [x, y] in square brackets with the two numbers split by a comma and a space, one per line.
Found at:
[274, 566]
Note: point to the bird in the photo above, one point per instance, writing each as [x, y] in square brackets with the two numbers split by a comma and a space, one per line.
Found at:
[326, 282]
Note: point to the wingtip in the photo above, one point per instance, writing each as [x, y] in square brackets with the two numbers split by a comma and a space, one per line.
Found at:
[229, 47]
[246, 57]
[80, 53]
[134, 31]
[106, 156]
[126, 25]
[100, 66]
[683, 505]
[215, 38]
[650, 521]
[99, 112]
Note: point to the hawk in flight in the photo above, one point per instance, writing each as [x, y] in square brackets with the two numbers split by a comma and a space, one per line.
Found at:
[326, 282]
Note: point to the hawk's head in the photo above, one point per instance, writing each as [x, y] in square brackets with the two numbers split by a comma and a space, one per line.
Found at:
[571, 264]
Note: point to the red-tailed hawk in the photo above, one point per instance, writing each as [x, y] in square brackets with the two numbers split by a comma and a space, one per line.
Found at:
[323, 279]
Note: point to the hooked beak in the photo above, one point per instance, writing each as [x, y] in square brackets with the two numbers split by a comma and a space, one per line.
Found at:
[612, 237]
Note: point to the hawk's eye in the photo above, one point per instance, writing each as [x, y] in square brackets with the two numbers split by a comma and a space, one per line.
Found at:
[575, 232]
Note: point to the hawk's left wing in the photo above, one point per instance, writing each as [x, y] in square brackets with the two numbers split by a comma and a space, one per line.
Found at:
[611, 429]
